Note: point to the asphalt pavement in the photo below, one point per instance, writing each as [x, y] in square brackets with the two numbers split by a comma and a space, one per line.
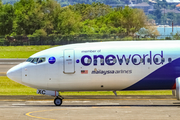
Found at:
[92, 108]
[6, 64]
[89, 97]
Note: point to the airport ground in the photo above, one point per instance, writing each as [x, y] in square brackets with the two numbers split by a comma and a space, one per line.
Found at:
[81, 108]
[122, 107]
[6, 64]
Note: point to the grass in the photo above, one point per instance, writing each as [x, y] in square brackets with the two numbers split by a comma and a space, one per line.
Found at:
[20, 51]
[9, 87]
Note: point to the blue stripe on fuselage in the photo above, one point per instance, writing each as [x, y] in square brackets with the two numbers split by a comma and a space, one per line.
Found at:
[161, 79]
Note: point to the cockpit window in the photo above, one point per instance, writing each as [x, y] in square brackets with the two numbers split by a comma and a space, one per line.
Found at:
[29, 59]
[41, 60]
[36, 60]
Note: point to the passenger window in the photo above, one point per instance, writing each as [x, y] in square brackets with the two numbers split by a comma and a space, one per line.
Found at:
[156, 60]
[120, 61]
[142, 60]
[169, 59]
[108, 61]
[134, 60]
[89, 60]
[127, 60]
[162, 60]
[95, 61]
[148, 60]
[102, 60]
[114, 60]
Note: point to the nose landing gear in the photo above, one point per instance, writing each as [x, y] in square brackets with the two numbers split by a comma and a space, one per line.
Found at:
[58, 100]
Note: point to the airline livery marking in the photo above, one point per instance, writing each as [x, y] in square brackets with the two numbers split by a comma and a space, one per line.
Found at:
[111, 59]
[52, 60]
[104, 72]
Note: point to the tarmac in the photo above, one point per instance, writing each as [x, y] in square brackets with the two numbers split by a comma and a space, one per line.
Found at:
[6, 64]
[104, 107]
[87, 97]
[90, 108]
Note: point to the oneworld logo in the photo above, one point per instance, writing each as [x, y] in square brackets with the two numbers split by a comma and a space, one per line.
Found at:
[135, 59]
[52, 60]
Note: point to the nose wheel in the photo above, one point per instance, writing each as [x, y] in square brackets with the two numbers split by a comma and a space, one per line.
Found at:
[58, 101]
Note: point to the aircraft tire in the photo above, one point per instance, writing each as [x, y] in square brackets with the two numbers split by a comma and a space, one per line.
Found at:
[58, 101]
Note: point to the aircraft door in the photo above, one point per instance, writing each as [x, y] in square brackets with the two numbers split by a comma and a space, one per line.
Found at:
[69, 65]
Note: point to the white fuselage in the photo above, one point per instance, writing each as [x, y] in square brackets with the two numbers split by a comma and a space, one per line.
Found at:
[103, 66]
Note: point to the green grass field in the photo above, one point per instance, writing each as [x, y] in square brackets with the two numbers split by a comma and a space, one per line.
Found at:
[9, 87]
[20, 51]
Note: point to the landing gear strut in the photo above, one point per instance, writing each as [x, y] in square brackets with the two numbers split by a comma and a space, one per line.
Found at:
[58, 100]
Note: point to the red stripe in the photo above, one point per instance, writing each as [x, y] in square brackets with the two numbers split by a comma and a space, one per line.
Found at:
[174, 86]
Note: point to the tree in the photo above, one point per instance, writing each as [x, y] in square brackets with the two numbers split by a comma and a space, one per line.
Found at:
[1, 4]
[170, 15]
[92, 11]
[150, 31]
[6, 18]
[158, 15]
[45, 17]
[89, 27]
[120, 21]
[128, 20]
[176, 20]
[176, 36]
[51, 10]
[28, 17]
[33, 15]
[133, 20]
[68, 22]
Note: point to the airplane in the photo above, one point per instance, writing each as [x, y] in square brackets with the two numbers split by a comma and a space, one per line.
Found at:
[102, 66]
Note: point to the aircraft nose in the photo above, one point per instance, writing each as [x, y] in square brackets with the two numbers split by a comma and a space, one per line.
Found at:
[15, 73]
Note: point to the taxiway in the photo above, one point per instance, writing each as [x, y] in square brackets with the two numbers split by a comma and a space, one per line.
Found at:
[97, 108]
